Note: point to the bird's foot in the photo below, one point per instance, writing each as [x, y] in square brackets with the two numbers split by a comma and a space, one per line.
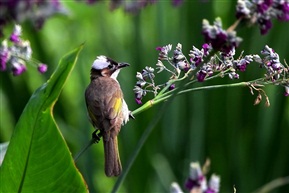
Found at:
[131, 115]
[96, 136]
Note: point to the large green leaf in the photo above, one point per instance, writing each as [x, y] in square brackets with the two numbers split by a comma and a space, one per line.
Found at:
[38, 159]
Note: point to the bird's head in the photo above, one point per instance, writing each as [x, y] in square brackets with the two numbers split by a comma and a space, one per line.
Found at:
[105, 66]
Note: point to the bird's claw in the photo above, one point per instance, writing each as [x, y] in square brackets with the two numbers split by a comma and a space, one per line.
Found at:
[96, 136]
[131, 115]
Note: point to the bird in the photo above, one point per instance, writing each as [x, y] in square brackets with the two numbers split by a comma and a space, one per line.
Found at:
[107, 109]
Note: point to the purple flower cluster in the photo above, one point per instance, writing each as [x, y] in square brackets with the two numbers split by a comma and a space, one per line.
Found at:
[275, 71]
[224, 62]
[15, 52]
[197, 181]
[164, 51]
[262, 12]
[272, 64]
[196, 178]
[203, 64]
[179, 60]
[220, 39]
[145, 79]
[35, 11]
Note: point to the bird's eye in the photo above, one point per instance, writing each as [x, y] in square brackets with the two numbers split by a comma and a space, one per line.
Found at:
[110, 66]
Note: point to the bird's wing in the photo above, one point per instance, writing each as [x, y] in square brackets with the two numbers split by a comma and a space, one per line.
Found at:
[104, 105]
[94, 113]
[114, 107]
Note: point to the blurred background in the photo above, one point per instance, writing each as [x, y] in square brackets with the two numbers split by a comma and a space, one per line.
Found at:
[248, 145]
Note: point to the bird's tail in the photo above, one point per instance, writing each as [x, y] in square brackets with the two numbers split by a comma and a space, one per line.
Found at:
[112, 160]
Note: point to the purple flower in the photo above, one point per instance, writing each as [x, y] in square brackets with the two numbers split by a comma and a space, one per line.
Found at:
[159, 48]
[263, 7]
[138, 101]
[214, 34]
[265, 25]
[183, 65]
[284, 16]
[163, 55]
[272, 64]
[172, 87]
[201, 75]
[198, 60]
[219, 38]
[190, 184]
[206, 48]
[15, 36]
[34, 10]
[18, 69]
[233, 75]
[242, 65]
[42, 68]
[15, 56]
[268, 2]
[286, 91]
[3, 59]
[243, 9]
[209, 190]
[262, 12]
[139, 93]
[196, 56]
[206, 70]
[276, 66]
[196, 178]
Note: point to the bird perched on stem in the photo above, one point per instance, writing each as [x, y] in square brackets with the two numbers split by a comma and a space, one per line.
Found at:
[107, 109]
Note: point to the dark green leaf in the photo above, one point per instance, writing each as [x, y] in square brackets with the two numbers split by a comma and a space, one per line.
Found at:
[38, 159]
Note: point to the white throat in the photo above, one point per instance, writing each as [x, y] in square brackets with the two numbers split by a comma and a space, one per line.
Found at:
[115, 74]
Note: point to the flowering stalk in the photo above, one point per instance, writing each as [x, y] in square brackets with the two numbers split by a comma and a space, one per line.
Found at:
[214, 60]
[34, 11]
[262, 12]
[16, 52]
[204, 66]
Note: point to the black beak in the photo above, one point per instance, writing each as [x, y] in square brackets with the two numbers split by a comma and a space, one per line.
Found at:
[122, 65]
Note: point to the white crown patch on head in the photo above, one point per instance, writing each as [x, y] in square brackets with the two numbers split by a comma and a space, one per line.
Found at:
[101, 62]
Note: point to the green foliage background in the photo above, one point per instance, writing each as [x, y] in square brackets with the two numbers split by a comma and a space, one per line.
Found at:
[247, 145]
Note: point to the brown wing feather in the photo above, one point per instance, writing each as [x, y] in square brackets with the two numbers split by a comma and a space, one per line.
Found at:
[101, 99]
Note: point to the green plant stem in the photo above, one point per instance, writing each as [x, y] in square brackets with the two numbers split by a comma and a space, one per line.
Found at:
[167, 95]
[170, 82]
[273, 185]
[91, 142]
[214, 87]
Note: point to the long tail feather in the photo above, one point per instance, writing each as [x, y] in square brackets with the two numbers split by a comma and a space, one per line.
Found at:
[112, 160]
